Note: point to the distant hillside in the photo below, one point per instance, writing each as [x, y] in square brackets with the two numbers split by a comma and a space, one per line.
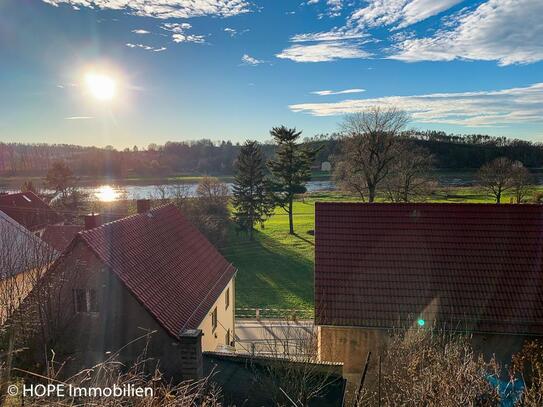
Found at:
[217, 158]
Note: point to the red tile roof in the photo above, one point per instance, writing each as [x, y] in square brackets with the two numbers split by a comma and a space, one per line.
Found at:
[29, 210]
[166, 263]
[471, 267]
[60, 236]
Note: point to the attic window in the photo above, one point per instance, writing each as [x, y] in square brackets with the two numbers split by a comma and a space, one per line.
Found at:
[85, 300]
[27, 198]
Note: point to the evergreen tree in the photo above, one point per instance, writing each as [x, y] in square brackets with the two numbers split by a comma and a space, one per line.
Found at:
[290, 169]
[251, 202]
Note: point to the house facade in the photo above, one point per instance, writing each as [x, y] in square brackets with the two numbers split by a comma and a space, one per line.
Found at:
[148, 281]
[469, 268]
[23, 258]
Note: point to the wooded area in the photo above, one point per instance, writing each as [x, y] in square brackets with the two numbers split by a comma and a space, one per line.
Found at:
[217, 158]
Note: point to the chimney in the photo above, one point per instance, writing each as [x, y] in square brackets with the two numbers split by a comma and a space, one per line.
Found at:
[92, 220]
[144, 205]
[190, 352]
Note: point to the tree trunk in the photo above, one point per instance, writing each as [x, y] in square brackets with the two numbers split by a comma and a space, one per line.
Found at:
[290, 221]
[371, 193]
[498, 197]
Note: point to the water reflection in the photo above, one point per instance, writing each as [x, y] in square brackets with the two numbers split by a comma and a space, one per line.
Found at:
[106, 193]
[110, 193]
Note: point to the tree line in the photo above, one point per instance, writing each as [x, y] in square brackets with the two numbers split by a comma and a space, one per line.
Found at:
[218, 158]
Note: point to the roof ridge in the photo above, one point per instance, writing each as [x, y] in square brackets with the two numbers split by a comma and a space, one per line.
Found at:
[129, 217]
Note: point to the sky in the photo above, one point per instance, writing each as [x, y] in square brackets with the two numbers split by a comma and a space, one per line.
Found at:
[232, 69]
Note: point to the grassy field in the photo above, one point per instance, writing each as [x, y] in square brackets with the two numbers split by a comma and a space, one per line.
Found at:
[276, 269]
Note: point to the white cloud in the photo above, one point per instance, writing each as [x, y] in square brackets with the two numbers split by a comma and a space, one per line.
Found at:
[145, 47]
[165, 8]
[400, 13]
[140, 31]
[337, 92]
[323, 52]
[79, 118]
[507, 31]
[336, 34]
[334, 7]
[233, 32]
[249, 60]
[179, 34]
[472, 109]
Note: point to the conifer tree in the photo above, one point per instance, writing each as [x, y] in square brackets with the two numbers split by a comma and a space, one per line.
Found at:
[250, 199]
[290, 169]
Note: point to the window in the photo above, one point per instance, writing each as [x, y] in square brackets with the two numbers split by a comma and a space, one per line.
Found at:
[85, 300]
[227, 298]
[214, 319]
[227, 338]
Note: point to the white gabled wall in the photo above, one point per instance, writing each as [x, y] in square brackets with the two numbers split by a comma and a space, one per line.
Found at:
[213, 338]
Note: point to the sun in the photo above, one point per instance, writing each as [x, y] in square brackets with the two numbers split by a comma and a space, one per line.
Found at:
[100, 86]
[106, 194]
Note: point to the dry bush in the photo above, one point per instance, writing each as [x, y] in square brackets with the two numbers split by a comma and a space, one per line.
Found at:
[428, 368]
[528, 363]
[112, 373]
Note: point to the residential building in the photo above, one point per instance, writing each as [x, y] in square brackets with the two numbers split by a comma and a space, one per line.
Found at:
[467, 268]
[152, 276]
[29, 210]
[23, 259]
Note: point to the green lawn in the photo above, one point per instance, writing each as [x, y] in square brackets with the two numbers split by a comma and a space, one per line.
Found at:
[276, 269]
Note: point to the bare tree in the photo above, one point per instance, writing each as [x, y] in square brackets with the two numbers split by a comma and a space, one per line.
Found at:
[212, 189]
[496, 177]
[521, 180]
[23, 260]
[369, 149]
[409, 179]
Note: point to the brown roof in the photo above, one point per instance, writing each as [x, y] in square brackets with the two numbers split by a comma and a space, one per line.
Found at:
[469, 267]
[60, 236]
[166, 263]
[29, 210]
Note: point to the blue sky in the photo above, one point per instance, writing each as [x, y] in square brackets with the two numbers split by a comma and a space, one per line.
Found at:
[232, 69]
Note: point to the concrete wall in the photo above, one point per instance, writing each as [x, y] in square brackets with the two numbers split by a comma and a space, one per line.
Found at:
[212, 338]
[349, 345]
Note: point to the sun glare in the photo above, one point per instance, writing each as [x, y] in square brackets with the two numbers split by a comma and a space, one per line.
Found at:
[102, 87]
[106, 194]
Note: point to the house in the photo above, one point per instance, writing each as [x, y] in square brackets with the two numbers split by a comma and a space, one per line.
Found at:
[59, 237]
[150, 276]
[23, 258]
[472, 268]
[29, 210]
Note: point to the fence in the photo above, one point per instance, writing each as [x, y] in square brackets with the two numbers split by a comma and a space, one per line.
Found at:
[274, 313]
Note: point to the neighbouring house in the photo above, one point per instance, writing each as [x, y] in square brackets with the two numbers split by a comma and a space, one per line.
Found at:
[470, 268]
[29, 210]
[23, 259]
[151, 276]
[59, 237]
